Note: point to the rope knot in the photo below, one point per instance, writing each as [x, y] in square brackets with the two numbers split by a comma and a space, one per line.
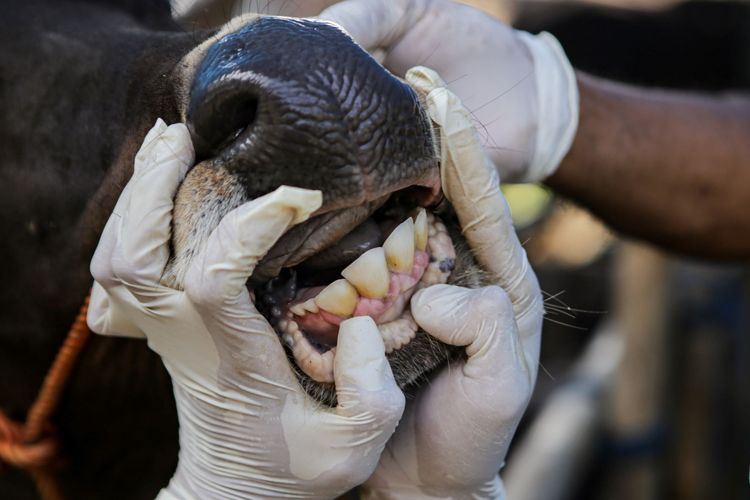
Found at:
[23, 454]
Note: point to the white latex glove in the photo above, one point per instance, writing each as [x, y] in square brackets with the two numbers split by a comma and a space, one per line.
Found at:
[455, 434]
[520, 89]
[247, 428]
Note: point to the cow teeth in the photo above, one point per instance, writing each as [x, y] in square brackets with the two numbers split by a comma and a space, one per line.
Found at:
[310, 306]
[399, 248]
[369, 274]
[339, 298]
[298, 309]
[420, 230]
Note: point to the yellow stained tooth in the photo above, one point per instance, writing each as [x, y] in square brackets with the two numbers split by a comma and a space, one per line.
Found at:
[369, 274]
[420, 230]
[339, 298]
[399, 248]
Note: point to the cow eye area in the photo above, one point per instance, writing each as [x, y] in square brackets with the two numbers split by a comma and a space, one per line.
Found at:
[372, 270]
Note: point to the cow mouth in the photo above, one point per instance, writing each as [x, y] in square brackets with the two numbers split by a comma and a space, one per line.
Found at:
[371, 269]
[296, 102]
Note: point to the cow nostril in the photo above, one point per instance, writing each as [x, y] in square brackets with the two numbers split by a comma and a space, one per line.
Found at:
[238, 118]
[221, 116]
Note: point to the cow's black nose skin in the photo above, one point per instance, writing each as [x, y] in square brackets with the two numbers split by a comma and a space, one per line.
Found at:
[297, 102]
[227, 110]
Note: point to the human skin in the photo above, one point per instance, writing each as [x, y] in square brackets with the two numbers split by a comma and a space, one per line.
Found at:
[667, 167]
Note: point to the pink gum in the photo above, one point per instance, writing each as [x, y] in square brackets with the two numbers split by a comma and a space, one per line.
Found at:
[380, 310]
[399, 283]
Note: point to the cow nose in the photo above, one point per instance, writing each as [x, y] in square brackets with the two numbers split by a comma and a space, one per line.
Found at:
[297, 102]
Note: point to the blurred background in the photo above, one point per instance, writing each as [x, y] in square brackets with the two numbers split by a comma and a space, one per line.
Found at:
[643, 391]
[646, 356]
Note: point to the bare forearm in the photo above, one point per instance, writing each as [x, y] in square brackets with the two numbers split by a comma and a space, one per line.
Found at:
[670, 168]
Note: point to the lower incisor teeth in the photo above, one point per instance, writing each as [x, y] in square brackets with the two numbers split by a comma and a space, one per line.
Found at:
[398, 332]
[318, 367]
[339, 298]
[369, 274]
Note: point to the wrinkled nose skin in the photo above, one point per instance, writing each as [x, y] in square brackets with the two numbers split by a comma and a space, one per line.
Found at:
[297, 102]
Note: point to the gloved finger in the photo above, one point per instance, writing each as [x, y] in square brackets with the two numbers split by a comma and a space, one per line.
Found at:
[470, 182]
[101, 262]
[105, 318]
[492, 387]
[142, 252]
[480, 319]
[217, 277]
[375, 24]
[351, 438]
[363, 376]
[495, 382]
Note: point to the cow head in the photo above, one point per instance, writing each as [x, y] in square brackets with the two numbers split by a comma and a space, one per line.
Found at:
[274, 101]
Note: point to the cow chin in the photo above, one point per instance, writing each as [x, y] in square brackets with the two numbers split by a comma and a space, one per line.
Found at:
[276, 101]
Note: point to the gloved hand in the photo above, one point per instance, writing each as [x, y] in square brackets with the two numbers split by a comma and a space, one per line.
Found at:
[519, 88]
[454, 435]
[247, 429]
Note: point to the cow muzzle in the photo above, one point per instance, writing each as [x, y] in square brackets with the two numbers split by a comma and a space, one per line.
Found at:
[298, 102]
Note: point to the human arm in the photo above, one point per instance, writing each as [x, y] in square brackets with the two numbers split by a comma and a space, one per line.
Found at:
[671, 168]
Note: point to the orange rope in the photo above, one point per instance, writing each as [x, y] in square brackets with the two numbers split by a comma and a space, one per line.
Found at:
[33, 446]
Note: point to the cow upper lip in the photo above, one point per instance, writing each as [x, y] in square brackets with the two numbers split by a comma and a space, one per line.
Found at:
[311, 237]
[328, 226]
